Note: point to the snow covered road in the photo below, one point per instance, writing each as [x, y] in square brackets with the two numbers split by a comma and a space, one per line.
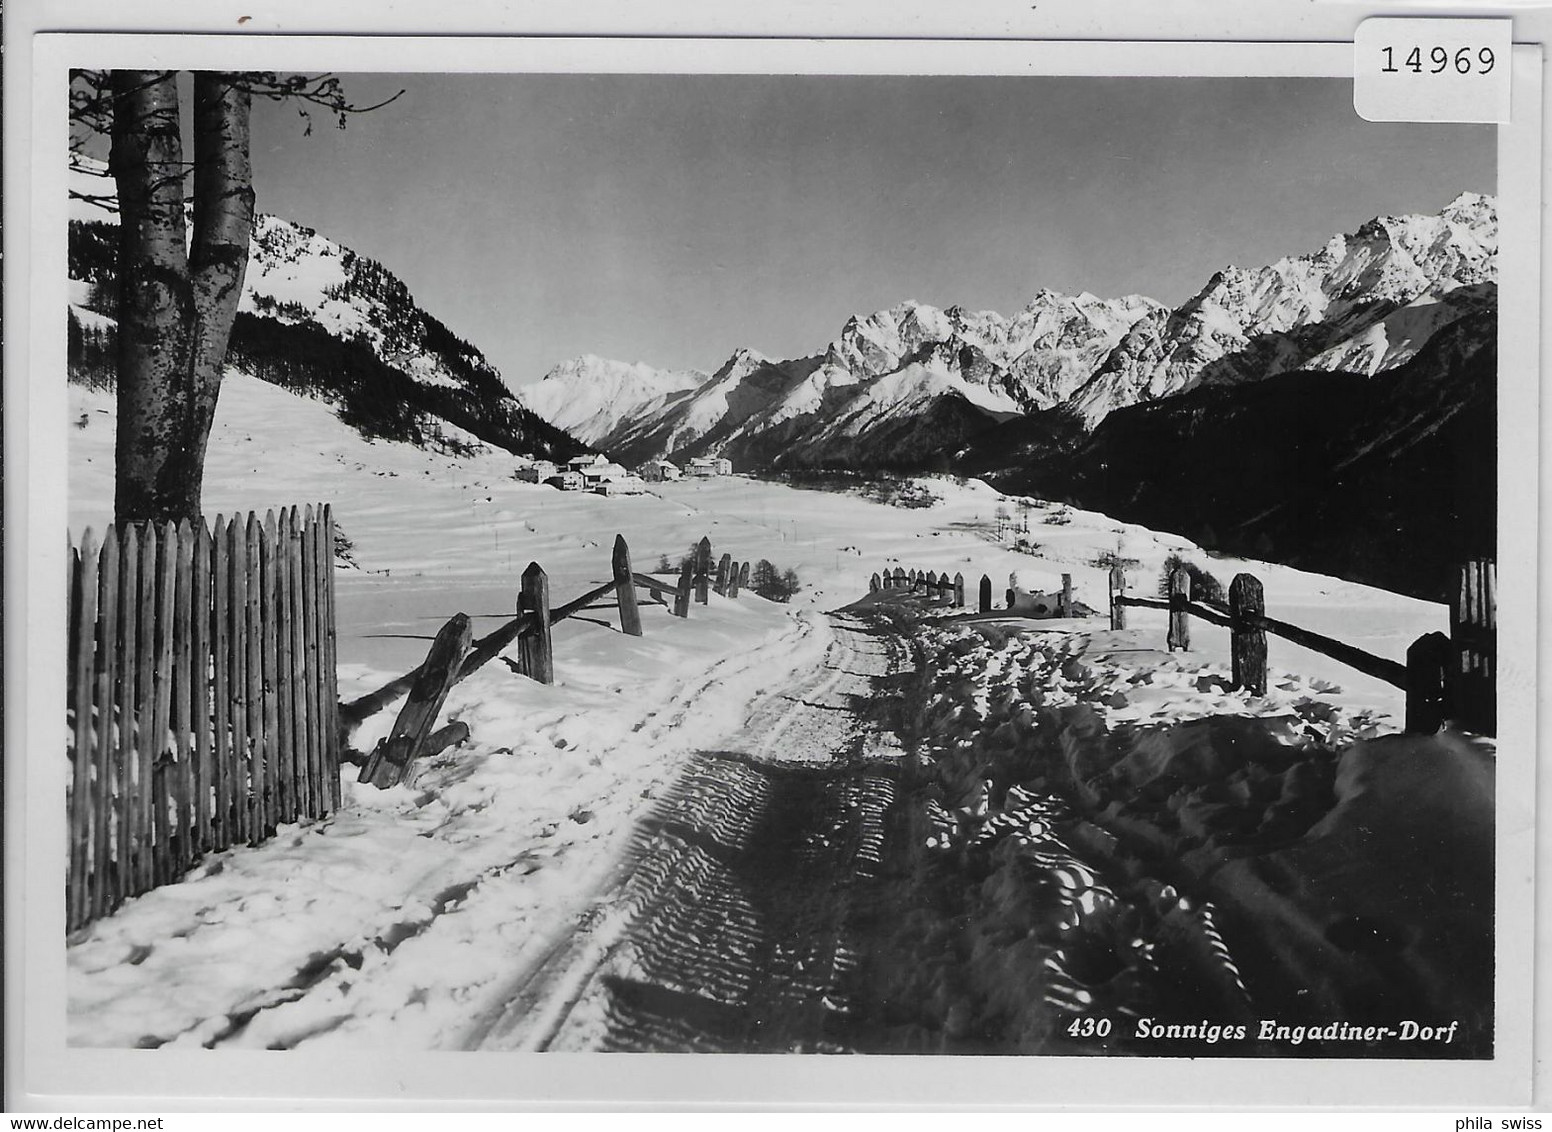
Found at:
[728, 928]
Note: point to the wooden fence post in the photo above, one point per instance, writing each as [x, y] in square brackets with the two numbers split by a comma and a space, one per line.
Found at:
[294, 772]
[128, 708]
[733, 581]
[723, 566]
[1427, 663]
[625, 588]
[390, 762]
[183, 720]
[107, 883]
[743, 576]
[986, 593]
[1247, 644]
[1179, 620]
[307, 598]
[703, 571]
[1117, 591]
[158, 681]
[202, 607]
[264, 733]
[959, 590]
[330, 645]
[1065, 609]
[686, 582]
[535, 653]
[874, 585]
[227, 687]
[83, 659]
[1470, 688]
[899, 576]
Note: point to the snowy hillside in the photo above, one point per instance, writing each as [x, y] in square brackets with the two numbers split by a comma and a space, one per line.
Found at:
[1389, 479]
[1391, 341]
[901, 386]
[321, 320]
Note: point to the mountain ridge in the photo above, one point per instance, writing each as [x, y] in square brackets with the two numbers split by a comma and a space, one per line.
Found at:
[328, 323]
[1365, 301]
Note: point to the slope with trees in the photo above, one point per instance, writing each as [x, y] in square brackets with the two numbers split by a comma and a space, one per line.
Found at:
[160, 327]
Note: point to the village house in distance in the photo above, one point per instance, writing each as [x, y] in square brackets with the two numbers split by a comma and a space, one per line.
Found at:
[602, 476]
[702, 466]
[660, 471]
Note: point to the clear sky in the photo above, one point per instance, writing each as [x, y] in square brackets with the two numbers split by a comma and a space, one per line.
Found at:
[671, 219]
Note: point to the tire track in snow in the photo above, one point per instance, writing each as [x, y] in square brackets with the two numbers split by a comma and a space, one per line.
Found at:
[728, 930]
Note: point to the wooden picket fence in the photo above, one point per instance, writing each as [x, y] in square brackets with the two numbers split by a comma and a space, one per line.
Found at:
[1446, 678]
[941, 586]
[454, 655]
[203, 703]
[937, 587]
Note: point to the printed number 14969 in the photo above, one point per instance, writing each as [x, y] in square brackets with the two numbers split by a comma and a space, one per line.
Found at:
[1464, 60]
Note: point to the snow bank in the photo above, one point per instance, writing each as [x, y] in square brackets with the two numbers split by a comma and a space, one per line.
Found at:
[1203, 853]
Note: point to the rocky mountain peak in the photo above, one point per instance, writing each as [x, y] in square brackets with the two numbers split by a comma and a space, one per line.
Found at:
[1250, 323]
[1366, 300]
[325, 322]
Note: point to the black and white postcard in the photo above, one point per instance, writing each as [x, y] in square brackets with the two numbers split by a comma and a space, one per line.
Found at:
[1016, 559]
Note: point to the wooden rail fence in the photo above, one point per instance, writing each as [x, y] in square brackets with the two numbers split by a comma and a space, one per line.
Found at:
[203, 703]
[1445, 678]
[454, 657]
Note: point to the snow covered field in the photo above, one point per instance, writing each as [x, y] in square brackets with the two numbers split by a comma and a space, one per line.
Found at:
[401, 918]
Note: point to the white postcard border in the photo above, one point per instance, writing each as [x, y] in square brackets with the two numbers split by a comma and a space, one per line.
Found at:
[51, 1075]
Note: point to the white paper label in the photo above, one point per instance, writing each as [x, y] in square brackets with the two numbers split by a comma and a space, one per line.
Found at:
[1423, 70]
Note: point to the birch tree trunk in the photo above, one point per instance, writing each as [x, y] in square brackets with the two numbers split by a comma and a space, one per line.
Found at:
[177, 297]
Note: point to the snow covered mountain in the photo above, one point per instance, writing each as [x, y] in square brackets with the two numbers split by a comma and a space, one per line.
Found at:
[1388, 479]
[1363, 302]
[903, 386]
[592, 397]
[707, 418]
[1034, 359]
[319, 319]
[891, 388]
